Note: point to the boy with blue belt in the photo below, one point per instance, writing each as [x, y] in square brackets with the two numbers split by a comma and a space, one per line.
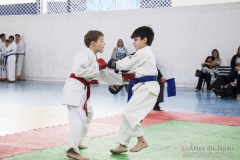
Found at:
[143, 90]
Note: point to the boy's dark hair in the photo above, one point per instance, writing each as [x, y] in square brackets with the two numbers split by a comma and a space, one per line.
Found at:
[7, 41]
[92, 35]
[11, 37]
[143, 32]
[2, 35]
[17, 35]
[206, 60]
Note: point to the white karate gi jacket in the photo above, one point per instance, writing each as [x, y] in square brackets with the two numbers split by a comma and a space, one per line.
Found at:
[85, 66]
[20, 47]
[142, 63]
[11, 49]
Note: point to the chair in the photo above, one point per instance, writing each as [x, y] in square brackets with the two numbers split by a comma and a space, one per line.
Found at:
[224, 70]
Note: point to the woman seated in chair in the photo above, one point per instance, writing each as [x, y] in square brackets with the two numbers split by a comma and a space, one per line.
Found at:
[214, 64]
[118, 53]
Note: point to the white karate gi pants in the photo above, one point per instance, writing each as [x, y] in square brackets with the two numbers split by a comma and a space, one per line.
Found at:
[1, 70]
[78, 125]
[140, 104]
[19, 64]
[9, 72]
[4, 72]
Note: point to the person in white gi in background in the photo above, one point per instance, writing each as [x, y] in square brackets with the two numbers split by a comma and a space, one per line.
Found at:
[2, 45]
[20, 54]
[9, 61]
[76, 91]
[146, 90]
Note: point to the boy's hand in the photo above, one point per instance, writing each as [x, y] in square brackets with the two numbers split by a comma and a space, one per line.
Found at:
[101, 63]
[207, 63]
[237, 68]
[162, 79]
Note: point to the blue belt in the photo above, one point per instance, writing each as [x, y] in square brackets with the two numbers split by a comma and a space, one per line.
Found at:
[5, 58]
[139, 80]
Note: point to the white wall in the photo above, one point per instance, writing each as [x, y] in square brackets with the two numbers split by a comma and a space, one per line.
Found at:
[184, 36]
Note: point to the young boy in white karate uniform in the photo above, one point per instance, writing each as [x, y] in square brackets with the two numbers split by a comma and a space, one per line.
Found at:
[145, 91]
[20, 55]
[2, 47]
[76, 91]
[10, 61]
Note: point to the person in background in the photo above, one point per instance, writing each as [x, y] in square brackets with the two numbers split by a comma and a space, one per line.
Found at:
[2, 46]
[234, 74]
[10, 60]
[215, 64]
[20, 54]
[161, 81]
[208, 68]
[118, 53]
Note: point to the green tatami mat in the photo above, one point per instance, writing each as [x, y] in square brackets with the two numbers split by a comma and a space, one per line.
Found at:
[172, 140]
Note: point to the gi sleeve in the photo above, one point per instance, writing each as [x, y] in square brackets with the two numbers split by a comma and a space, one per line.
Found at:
[85, 66]
[131, 61]
[110, 77]
[20, 47]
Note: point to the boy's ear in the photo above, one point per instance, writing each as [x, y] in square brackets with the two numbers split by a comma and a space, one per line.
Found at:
[92, 43]
[145, 39]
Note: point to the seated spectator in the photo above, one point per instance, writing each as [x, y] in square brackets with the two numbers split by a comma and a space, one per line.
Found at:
[234, 74]
[206, 68]
[207, 76]
[118, 53]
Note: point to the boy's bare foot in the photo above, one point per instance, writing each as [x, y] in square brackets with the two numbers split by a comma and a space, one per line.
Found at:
[142, 143]
[72, 154]
[82, 147]
[119, 149]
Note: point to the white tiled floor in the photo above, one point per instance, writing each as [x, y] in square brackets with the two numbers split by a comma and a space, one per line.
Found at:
[31, 105]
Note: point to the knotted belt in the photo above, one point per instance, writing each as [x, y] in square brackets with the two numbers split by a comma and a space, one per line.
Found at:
[139, 80]
[87, 84]
[5, 58]
[17, 54]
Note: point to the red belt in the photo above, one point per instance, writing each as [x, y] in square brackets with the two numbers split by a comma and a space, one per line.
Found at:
[87, 84]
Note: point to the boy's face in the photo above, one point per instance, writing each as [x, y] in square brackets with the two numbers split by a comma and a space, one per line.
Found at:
[7, 44]
[10, 40]
[17, 38]
[99, 45]
[138, 43]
